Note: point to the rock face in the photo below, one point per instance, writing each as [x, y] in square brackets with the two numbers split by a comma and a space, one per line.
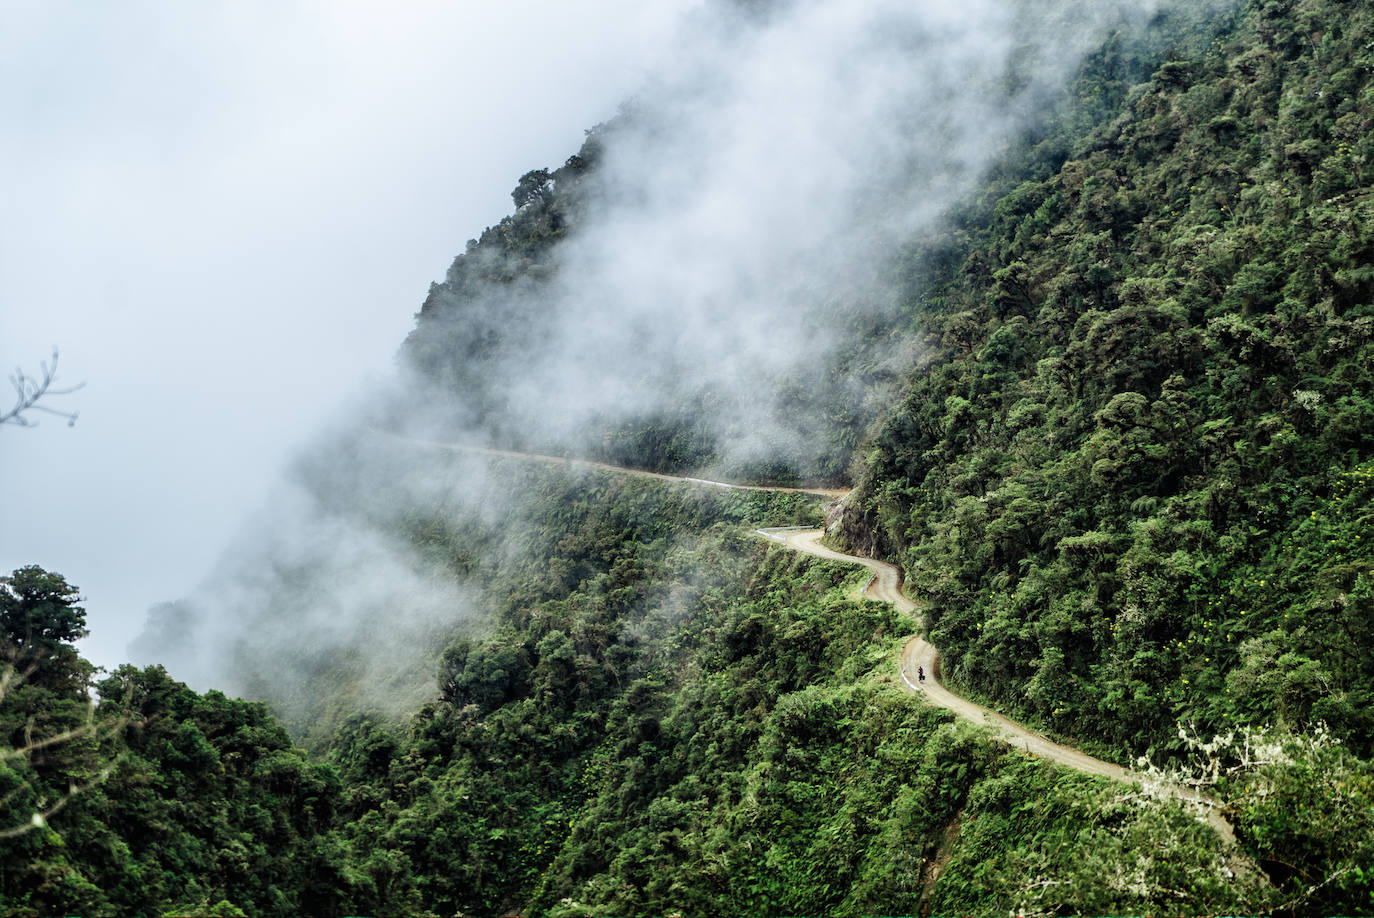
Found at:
[847, 528]
[834, 515]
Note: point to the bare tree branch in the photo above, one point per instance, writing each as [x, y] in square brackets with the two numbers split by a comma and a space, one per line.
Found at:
[29, 391]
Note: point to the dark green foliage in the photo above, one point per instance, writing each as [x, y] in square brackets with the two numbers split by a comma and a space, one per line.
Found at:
[1151, 364]
[733, 744]
[159, 798]
[1308, 809]
[39, 619]
[37, 612]
[1132, 476]
[189, 800]
[614, 580]
[1032, 840]
[49, 741]
[218, 782]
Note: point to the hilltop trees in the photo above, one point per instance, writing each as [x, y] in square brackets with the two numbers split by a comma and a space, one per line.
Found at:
[48, 735]
[534, 186]
[135, 794]
[39, 618]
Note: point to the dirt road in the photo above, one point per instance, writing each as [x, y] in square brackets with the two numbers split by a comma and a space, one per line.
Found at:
[832, 493]
[918, 652]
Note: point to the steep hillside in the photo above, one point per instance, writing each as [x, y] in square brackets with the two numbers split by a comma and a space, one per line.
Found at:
[714, 281]
[1128, 476]
[748, 752]
[499, 313]
[1143, 365]
[1132, 475]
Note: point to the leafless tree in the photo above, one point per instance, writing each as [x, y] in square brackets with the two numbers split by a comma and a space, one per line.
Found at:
[29, 391]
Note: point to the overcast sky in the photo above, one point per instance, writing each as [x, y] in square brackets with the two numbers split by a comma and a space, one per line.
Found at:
[225, 215]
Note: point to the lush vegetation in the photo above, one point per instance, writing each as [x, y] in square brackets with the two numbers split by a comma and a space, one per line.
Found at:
[158, 801]
[652, 740]
[1132, 474]
[663, 713]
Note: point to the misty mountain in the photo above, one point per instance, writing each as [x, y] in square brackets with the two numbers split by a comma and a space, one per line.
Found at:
[719, 283]
[1077, 296]
[714, 282]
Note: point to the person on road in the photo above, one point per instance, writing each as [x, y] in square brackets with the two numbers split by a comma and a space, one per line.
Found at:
[920, 674]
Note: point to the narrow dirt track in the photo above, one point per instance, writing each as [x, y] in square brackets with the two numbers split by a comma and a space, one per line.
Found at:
[832, 493]
[886, 587]
[918, 652]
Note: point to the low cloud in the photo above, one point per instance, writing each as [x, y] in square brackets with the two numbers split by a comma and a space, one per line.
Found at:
[744, 216]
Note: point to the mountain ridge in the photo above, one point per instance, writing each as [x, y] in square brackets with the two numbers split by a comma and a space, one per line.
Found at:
[1110, 413]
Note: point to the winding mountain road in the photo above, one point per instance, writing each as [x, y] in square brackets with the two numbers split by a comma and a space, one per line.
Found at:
[885, 586]
[918, 652]
[832, 493]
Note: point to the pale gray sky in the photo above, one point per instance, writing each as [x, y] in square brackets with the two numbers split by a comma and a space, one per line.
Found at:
[226, 214]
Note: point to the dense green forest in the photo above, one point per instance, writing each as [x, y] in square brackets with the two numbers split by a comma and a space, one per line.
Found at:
[1133, 474]
[1128, 472]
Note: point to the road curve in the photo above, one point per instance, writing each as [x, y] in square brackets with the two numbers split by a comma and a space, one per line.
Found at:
[886, 587]
[918, 652]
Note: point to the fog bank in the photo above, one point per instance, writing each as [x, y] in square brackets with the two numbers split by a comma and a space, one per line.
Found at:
[746, 210]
